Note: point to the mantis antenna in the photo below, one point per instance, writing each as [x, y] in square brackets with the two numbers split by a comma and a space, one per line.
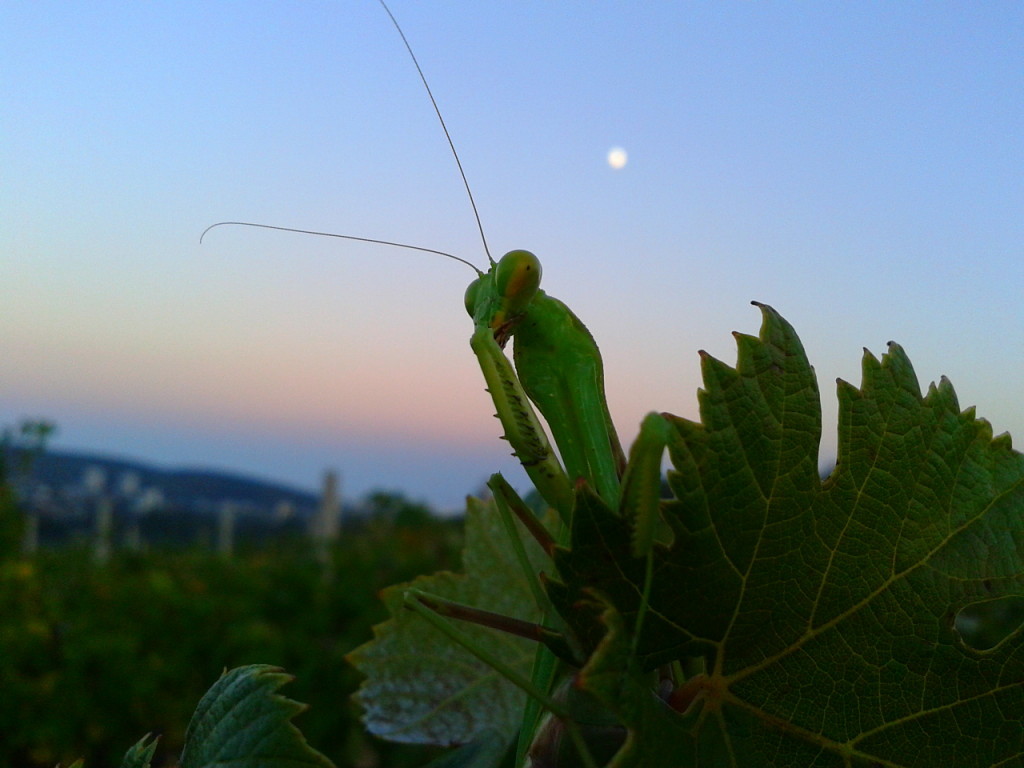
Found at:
[437, 111]
[470, 264]
[458, 162]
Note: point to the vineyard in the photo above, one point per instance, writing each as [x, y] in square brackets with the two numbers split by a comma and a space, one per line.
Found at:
[670, 654]
[94, 655]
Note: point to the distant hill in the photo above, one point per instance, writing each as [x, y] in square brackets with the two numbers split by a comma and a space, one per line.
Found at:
[181, 487]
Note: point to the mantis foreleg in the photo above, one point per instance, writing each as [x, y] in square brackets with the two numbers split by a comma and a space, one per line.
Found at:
[522, 429]
[642, 500]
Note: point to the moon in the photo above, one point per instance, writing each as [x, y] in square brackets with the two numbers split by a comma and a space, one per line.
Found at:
[617, 158]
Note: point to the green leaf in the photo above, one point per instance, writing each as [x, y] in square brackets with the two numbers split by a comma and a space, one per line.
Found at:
[423, 688]
[487, 750]
[140, 754]
[657, 736]
[826, 612]
[244, 722]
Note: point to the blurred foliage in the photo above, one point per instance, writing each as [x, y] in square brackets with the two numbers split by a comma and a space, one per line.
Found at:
[94, 657]
[19, 446]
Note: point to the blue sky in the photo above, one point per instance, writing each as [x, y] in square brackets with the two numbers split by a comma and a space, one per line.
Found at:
[857, 166]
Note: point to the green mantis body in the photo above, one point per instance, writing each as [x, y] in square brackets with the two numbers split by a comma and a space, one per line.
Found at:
[560, 370]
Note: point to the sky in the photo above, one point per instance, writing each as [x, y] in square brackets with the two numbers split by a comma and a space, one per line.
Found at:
[858, 166]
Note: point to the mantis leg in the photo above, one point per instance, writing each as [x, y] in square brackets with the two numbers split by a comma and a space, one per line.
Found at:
[545, 664]
[641, 500]
[522, 428]
[415, 602]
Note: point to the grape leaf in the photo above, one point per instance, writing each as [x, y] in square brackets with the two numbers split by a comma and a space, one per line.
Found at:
[423, 688]
[487, 750]
[243, 721]
[140, 754]
[656, 735]
[826, 612]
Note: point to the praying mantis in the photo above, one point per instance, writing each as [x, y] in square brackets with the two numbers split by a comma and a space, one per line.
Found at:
[557, 369]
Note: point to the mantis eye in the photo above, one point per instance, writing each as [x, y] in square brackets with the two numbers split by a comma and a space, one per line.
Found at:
[517, 279]
[471, 295]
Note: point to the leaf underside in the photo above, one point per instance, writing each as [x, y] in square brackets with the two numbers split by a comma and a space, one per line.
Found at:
[423, 688]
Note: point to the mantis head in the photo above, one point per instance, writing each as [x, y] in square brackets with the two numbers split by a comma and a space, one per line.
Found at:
[499, 298]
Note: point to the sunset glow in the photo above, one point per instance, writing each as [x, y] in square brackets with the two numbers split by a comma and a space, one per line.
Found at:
[865, 182]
